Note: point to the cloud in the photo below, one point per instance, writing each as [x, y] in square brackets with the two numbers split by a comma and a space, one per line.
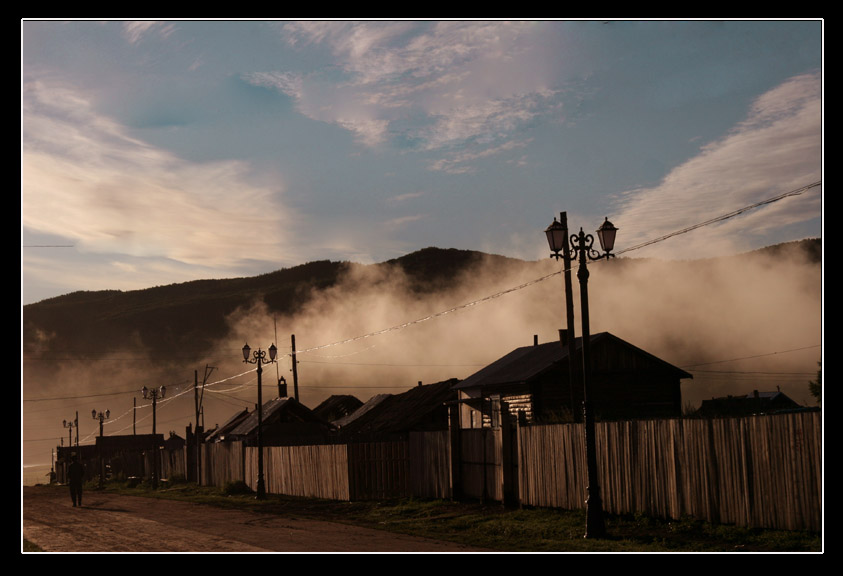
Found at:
[776, 149]
[438, 85]
[87, 180]
[134, 32]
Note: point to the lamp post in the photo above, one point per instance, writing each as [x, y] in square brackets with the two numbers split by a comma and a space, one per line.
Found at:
[259, 357]
[582, 243]
[70, 425]
[154, 394]
[101, 416]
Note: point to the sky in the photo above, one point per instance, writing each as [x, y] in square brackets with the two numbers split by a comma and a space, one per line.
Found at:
[155, 153]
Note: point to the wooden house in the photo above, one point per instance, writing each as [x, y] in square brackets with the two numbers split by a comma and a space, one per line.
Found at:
[748, 405]
[394, 416]
[285, 422]
[337, 406]
[535, 381]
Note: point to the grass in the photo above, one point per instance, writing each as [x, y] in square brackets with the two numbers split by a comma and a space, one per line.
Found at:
[497, 528]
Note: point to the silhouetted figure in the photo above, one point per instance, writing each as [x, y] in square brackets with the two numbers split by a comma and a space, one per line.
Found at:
[75, 477]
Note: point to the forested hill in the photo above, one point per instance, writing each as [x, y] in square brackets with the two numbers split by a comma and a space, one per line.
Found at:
[164, 318]
[193, 314]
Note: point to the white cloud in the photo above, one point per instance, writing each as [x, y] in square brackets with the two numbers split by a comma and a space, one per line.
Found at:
[777, 149]
[443, 84]
[137, 31]
[85, 179]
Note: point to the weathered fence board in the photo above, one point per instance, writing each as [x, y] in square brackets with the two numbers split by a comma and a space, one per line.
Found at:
[762, 471]
[430, 464]
[379, 470]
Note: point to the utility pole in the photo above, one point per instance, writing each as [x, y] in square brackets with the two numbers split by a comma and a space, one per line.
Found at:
[196, 431]
[295, 370]
[134, 415]
[200, 429]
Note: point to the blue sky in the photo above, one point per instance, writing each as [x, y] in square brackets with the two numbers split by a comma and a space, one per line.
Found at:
[161, 152]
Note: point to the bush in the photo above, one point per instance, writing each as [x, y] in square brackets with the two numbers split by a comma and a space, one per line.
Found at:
[236, 487]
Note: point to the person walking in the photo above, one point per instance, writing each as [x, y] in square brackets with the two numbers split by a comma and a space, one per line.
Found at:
[75, 476]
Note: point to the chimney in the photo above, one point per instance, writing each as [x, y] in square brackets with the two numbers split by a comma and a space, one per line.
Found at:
[563, 336]
[420, 383]
[535, 339]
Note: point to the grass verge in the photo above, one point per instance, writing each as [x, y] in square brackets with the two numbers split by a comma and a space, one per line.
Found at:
[497, 528]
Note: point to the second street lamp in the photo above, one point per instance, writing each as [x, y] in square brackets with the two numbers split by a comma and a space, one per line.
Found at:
[582, 243]
[259, 358]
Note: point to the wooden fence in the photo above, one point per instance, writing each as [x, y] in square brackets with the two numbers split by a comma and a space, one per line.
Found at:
[307, 471]
[763, 471]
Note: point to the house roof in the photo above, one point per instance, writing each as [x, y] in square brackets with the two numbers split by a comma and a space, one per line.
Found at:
[278, 409]
[529, 362]
[754, 402]
[229, 424]
[337, 406]
[369, 405]
[399, 413]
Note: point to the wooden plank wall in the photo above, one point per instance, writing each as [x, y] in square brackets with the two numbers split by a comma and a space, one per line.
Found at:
[482, 472]
[173, 463]
[222, 462]
[379, 470]
[762, 471]
[319, 471]
[430, 464]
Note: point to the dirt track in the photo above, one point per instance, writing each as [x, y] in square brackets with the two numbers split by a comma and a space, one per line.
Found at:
[114, 523]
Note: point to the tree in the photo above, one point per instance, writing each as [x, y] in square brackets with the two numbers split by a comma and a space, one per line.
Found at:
[816, 386]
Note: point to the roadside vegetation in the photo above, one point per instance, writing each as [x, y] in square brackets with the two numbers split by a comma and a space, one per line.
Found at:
[494, 527]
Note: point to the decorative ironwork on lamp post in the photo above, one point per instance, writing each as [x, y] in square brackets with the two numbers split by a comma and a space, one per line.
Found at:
[154, 394]
[582, 243]
[70, 425]
[259, 357]
[101, 416]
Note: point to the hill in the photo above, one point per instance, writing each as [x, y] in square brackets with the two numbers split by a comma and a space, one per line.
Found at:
[192, 315]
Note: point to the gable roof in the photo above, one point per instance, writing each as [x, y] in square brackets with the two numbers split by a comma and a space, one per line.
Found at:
[420, 407]
[369, 405]
[752, 403]
[278, 409]
[529, 362]
[337, 406]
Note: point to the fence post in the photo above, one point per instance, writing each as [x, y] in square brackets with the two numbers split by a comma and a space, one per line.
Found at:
[456, 451]
[510, 480]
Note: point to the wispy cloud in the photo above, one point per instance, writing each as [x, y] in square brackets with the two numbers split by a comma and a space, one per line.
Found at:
[776, 149]
[439, 85]
[134, 32]
[87, 180]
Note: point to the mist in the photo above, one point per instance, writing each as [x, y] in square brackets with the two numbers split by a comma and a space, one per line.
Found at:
[738, 324]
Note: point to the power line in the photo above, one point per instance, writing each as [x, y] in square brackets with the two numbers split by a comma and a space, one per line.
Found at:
[751, 357]
[737, 212]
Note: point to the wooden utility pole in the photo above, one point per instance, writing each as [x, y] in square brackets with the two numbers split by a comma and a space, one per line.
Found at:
[295, 370]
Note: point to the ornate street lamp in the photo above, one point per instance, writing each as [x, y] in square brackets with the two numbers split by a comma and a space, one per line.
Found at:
[259, 358]
[582, 243]
[70, 425]
[101, 416]
[154, 394]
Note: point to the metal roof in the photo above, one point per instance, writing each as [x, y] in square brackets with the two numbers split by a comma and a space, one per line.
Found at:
[528, 362]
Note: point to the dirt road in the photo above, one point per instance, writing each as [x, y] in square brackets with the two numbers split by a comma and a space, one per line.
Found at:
[114, 523]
